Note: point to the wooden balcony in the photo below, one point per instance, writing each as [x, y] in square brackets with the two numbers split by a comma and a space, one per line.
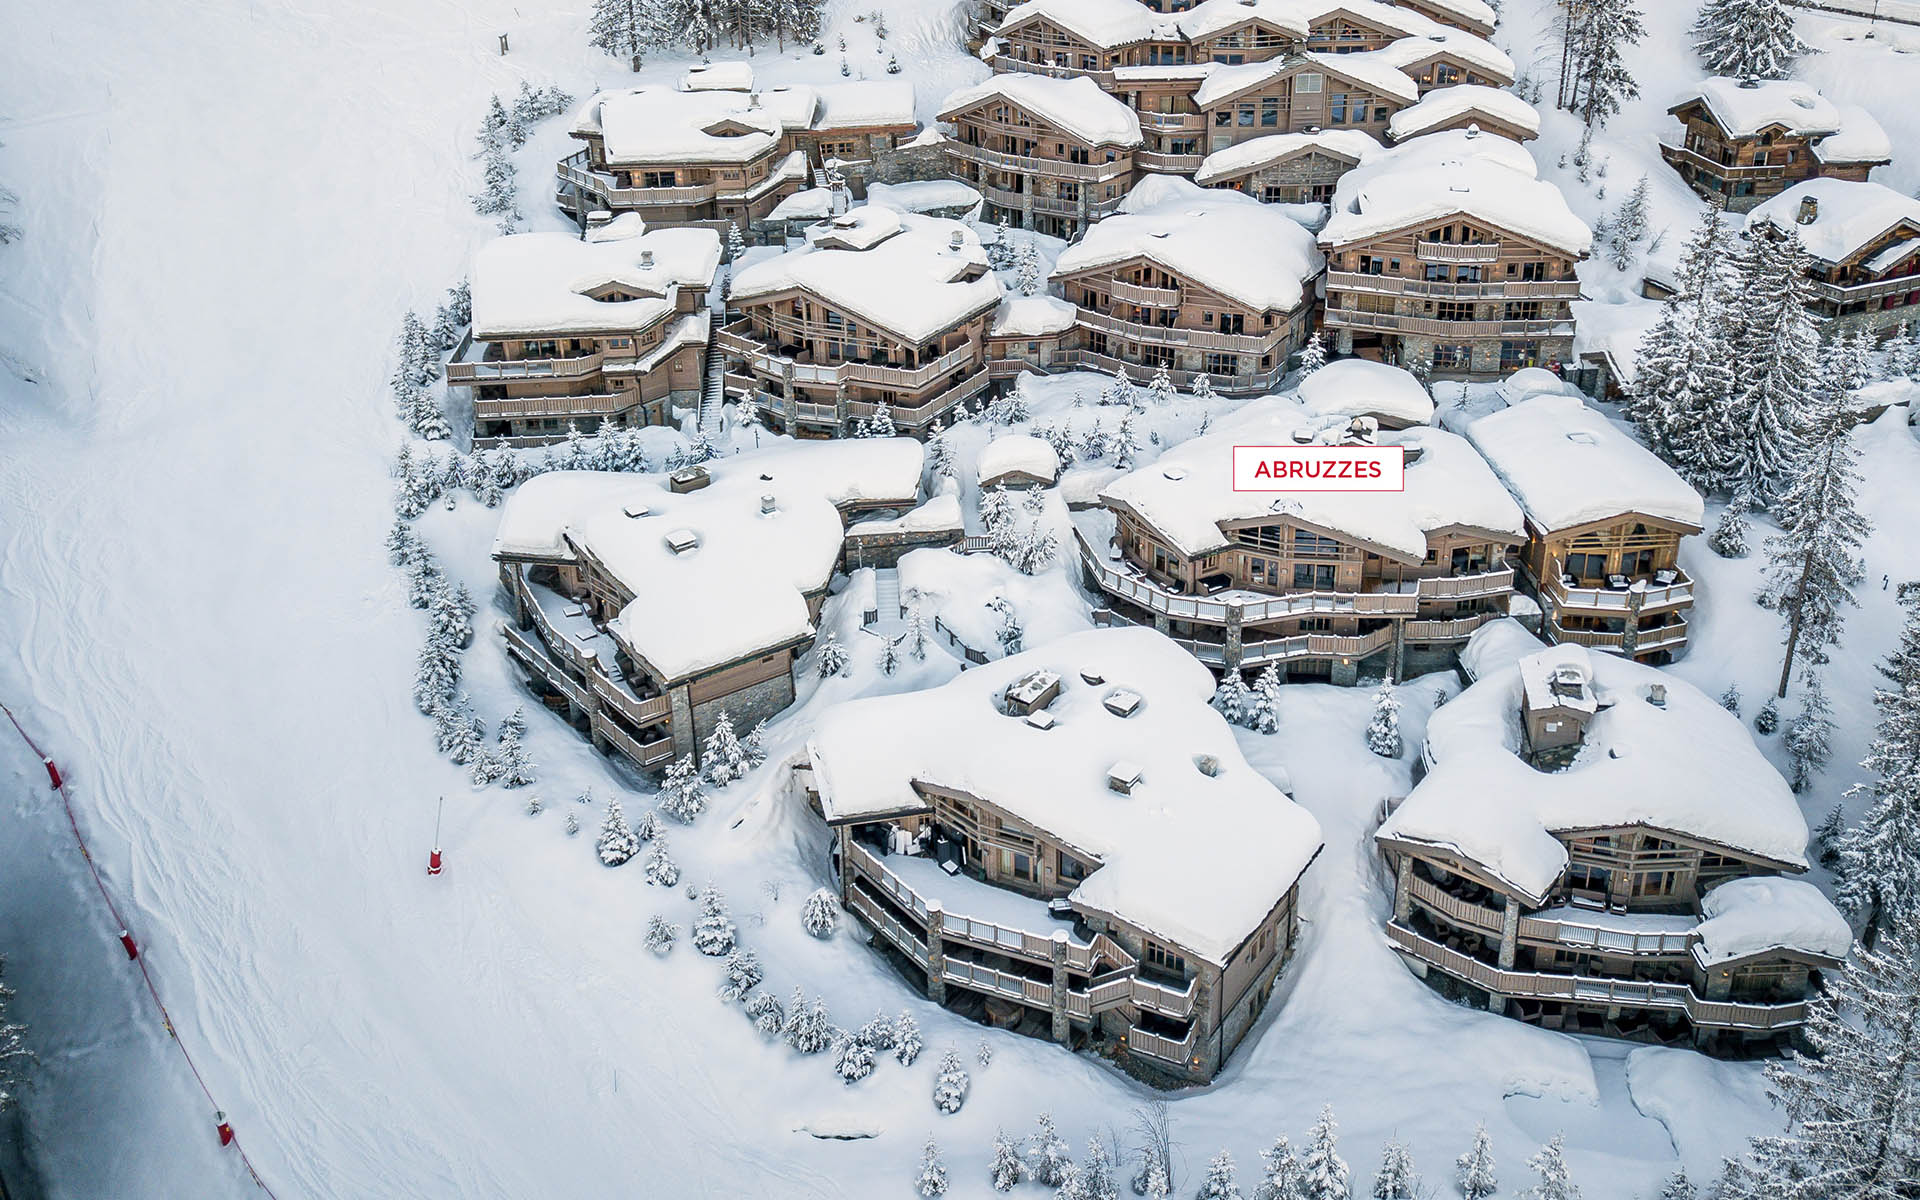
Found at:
[533, 656]
[1678, 157]
[1394, 323]
[1396, 285]
[1457, 252]
[506, 369]
[1558, 932]
[1594, 991]
[1670, 636]
[1034, 166]
[739, 342]
[1006, 63]
[1651, 596]
[1255, 653]
[1150, 1045]
[905, 939]
[1253, 383]
[1167, 164]
[1454, 629]
[573, 170]
[645, 754]
[1136, 293]
[596, 404]
[1467, 586]
[1195, 339]
[1857, 293]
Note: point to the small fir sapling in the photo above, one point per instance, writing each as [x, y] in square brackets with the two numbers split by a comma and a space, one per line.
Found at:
[1730, 699]
[820, 913]
[1232, 698]
[616, 843]
[1203, 387]
[681, 796]
[713, 932]
[917, 639]
[831, 658]
[571, 825]
[1263, 711]
[1827, 836]
[726, 758]
[1160, 387]
[516, 769]
[658, 863]
[1810, 735]
[1729, 536]
[932, 1177]
[1011, 635]
[661, 934]
[756, 745]
[1678, 1187]
[648, 826]
[1284, 1177]
[535, 806]
[950, 1085]
[1048, 1155]
[1219, 1183]
[889, 655]
[983, 1054]
[484, 767]
[1767, 720]
[855, 1062]
[1313, 356]
[767, 1014]
[1091, 1178]
[808, 1030]
[1550, 1168]
[1326, 1173]
[907, 1043]
[1006, 1169]
[1383, 732]
[1396, 1178]
[877, 1032]
[740, 975]
[1474, 1169]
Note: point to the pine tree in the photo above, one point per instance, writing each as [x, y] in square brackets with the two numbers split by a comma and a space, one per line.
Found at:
[1771, 335]
[1678, 1187]
[950, 1086]
[1729, 536]
[714, 932]
[808, 1029]
[1027, 270]
[1119, 392]
[1396, 1179]
[1005, 1171]
[661, 934]
[1126, 443]
[437, 676]
[1232, 698]
[1607, 30]
[742, 973]
[681, 796]
[1630, 226]
[1684, 380]
[1263, 712]
[1550, 1169]
[1730, 699]
[1475, 1171]
[820, 913]
[1326, 1174]
[917, 639]
[932, 1179]
[15, 1056]
[1880, 857]
[831, 658]
[1219, 1183]
[1285, 1178]
[1092, 1177]
[855, 1061]
[1814, 562]
[765, 1011]
[1160, 387]
[889, 655]
[658, 863]
[1203, 383]
[726, 759]
[1011, 634]
[1767, 720]
[1383, 732]
[756, 744]
[1313, 355]
[516, 769]
[1048, 1156]
[1810, 735]
[907, 1042]
[616, 843]
[450, 614]
[1747, 39]
[940, 457]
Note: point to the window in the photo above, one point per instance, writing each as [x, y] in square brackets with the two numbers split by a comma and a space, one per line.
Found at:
[1452, 358]
[1232, 322]
[1587, 566]
[1380, 114]
[1222, 364]
[1452, 310]
[1246, 114]
[1337, 109]
[1164, 958]
[1308, 544]
[1372, 265]
[1318, 577]
[1306, 81]
[1070, 867]
[1270, 110]
[1523, 310]
[658, 179]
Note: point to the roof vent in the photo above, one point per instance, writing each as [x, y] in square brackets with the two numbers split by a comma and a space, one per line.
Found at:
[1159, 233]
[1809, 210]
[1302, 437]
[767, 504]
[646, 260]
[1616, 752]
[1436, 37]
[1122, 702]
[1123, 777]
[1176, 474]
[1750, 82]
[683, 541]
[1473, 129]
[1207, 764]
[1581, 437]
[1032, 692]
[765, 478]
[1092, 677]
[1042, 720]
[1410, 453]
[1657, 695]
[1802, 102]
[636, 511]
[688, 479]
[957, 240]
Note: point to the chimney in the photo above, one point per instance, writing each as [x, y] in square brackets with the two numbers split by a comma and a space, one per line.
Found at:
[767, 504]
[1657, 695]
[957, 240]
[1809, 210]
[646, 260]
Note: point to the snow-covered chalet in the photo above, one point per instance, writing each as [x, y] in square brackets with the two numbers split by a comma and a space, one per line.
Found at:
[1863, 243]
[1742, 141]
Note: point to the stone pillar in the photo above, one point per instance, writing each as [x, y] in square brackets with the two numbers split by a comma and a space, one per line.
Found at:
[1062, 1027]
[522, 618]
[1343, 342]
[1631, 637]
[1161, 623]
[1346, 672]
[681, 703]
[1403, 889]
[841, 411]
[936, 952]
[1397, 653]
[1235, 637]
[1509, 934]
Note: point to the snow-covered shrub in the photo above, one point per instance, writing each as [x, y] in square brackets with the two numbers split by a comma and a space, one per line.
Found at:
[830, 657]
[1048, 1155]
[742, 975]
[616, 843]
[877, 1032]
[1729, 536]
[808, 1029]
[713, 932]
[765, 1011]
[906, 1039]
[726, 758]
[950, 1086]
[932, 1179]
[1383, 732]
[661, 934]
[820, 913]
[1767, 720]
[1005, 1171]
[855, 1062]
[658, 863]
[681, 796]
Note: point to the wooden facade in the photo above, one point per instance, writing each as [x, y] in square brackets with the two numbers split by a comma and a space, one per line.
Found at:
[1740, 171]
[1300, 95]
[1614, 584]
[1875, 284]
[1033, 173]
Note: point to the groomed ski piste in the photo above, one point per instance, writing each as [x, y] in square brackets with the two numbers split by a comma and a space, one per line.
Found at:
[227, 210]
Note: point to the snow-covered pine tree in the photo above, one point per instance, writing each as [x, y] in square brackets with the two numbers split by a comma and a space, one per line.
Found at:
[983, 1054]
[1203, 385]
[1092, 1177]
[1119, 392]
[740, 975]
[1027, 278]
[1810, 735]
[681, 795]
[484, 767]
[940, 457]
[1880, 857]
[437, 675]
[1608, 30]
[882, 423]
[1232, 698]
[15, 1055]
[1263, 709]
[756, 744]
[1767, 720]
[1747, 39]
[1219, 1183]
[763, 1008]
[1048, 1155]
[1383, 732]
[1284, 1176]
[1396, 1178]
[907, 1042]
[1684, 380]
[998, 525]
[950, 1085]
[917, 638]
[616, 843]
[516, 768]
[714, 933]
[1313, 356]
[1552, 1181]
[1770, 333]
[1678, 1187]
[1730, 699]
[658, 863]
[820, 913]
[808, 1029]
[1729, 536]
[854, 1062]
[1814, 561]
[1630, 227]
[661, 934]
[889, 655]
[1126, 443]
[1325, 1173]
[1005, 1171]
[830, 657]
[1011, 634]
[1474, 1170]
[1160, 387]
[736, 245]
[932, 1177]
[726, 759]
[450, 614]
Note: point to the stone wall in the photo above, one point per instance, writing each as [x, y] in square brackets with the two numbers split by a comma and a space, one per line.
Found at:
[748, 707]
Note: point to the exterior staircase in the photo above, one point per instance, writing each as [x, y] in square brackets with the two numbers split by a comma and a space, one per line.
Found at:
[713, 392]
[886, 593]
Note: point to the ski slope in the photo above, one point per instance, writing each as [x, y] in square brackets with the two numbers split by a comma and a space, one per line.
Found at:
[228, 209]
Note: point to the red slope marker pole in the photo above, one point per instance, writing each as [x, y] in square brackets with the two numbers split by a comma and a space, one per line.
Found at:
[225, 1128]
[53, 773]
[433, 858]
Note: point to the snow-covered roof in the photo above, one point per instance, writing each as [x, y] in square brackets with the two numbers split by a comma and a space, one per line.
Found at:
[1188, 493]
[1489, 178]
[1471, 49]
[1022, 453]
[807, 202]
[1497, 645]
[1477, 13]
[1848, 218]
[1107, 24]
[736, 76]
[1745, 107]
[1224, 241]
[1032, 316]
[1199, 860]
[1243, 158]
[863, 104]
[1569, 466]
[541, 282]
[922, 195]
[906, 276]
[662, 124]
[1745, 917]
[1360, 387]
[1210, 17]
[1860, 139]
[1446, 104]
[941, 513]
[1075, 106]
[1615, 331]
[741, 589]
[1370, 69]
[1688, 767]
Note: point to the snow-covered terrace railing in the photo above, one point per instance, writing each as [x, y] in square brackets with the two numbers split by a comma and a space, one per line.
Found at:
[737, 341]
[1676, 155]
[573, 170]
[1154, 160]
[1031, 165]
[537, 406]
[1139, 293]
[1245, 343]
[1872, 290]
[1586, 990]
[1649, 594]
[1007, 198]
[1363, 281]
[644, 753]
[1005, 63]
[788, 409]
[1314, 645]
[1139, 1041]
[1664, 637]
[566, 646]
[534, 657]
[522, 368]
[1457, 252]
[1487, 920]
[1172, 121]
[1067, 360]
[893, 930]
[1451, 630]
[1405, 324]
[1001, 983]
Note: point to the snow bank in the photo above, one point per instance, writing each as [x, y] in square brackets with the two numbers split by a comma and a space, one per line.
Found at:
[1442, 105]
[543, 282]
[1454, 44]
[1744, 917]
[923, 195]
[863, 104]
[1196, 859]
[1568, 465]
[718, 77]
[1745, 107]
[1359, 387]
[1496, 645]
[1032, 316]
[1689, 767]
[647, 124]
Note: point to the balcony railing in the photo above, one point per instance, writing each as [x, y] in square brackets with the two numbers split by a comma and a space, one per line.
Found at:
[1590, 990]
[1397, 285]
[1255, 653]
[1139, 293]
[1173, 122]
[1035, 166]
[574, 171]
[1571, 934]
[1679, 155]
[595, 404]
[1393, 322]
[1651, 595]
[645, 754]
[1855, 293]
[902, 937]
[1664, 637]
[1004, 63]
[1165, 1049]
[1171, 164]
[1167, 335]
[534, 657]
[1457, 252]
[490, 370]
[737, 341]
[1454, 629]
[1254, 383]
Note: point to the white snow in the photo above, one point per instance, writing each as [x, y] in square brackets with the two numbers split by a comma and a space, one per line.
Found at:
[541, 282]
[1453, 172]
[813, 202]
[1017, 452]
[1242, 158]
[1446, 104]
[1359, 387]
[1614, 330]
[1075, 106]
[1032, 316]
[718, 77]
[1188, 494]
[1196, 859]
[1850, 215]
[1568, 465]
[662, 124]
[1745, 107]
[923, 195]
[1458, 46]
[1859, 140]
[1744, 917]
[941, 513]
[1689, 767]
[1224, 241]
[1497, 645]
[1104, 23]
[907, 277]
[863, 104]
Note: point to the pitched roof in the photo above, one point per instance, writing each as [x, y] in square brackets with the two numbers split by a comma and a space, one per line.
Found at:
[543, 282]
[1850, 216]
[1569, 466]
[1443, 105]
[1243, 158]
[1075, 106]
